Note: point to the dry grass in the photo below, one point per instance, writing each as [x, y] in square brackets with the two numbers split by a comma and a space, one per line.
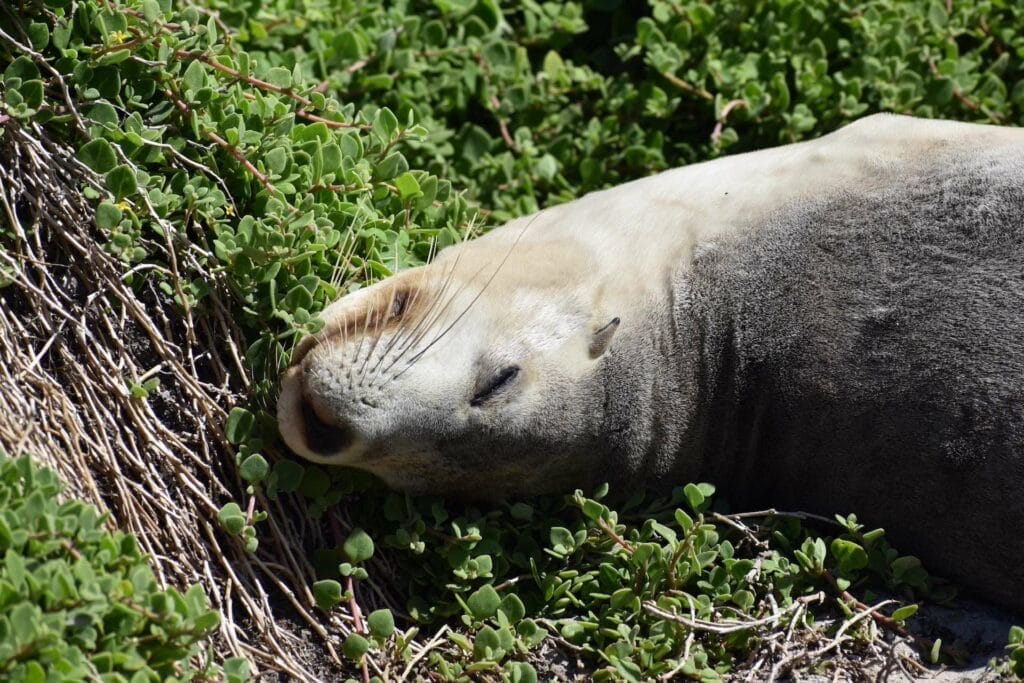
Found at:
[74, 338]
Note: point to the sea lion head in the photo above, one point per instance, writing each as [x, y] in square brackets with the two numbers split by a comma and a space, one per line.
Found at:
[477, 375]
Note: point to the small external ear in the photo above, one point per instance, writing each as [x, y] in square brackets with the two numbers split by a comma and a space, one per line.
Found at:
[602, 338]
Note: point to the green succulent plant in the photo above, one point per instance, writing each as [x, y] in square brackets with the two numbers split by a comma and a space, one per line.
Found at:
[299, 149]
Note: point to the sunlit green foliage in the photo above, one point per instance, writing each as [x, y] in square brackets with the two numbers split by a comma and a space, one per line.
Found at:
[299, 148]
[78, 602]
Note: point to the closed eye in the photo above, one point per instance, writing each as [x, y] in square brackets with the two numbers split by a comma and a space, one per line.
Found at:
[500, 381]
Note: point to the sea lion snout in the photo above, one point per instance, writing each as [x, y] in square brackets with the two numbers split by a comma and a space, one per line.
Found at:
[323, 436]
[307, 426]
[383, 357]
[322, 408]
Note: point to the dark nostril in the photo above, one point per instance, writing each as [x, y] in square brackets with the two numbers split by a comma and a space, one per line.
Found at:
[321, 437]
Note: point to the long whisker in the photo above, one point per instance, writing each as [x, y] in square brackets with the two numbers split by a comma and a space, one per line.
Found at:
[448, 277]
[410, 330]
[362, 337]
[402, 334]
[427, 320]
[508, 254]
[439, 314]
[378, 330]
[344, 255]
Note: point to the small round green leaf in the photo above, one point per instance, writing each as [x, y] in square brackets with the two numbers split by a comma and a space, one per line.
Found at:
[483, 602]
[355, 646]
[487, 644]
[358, 546]
[684, 520]
[207, 622]
[280, 77]
[521, 511]
[904, 613]
[849, 555]
[33, 673]
[38, 34]
[232, 518]
[592, 509]
[520, 672]
[289, 475]
[107, 215]
[694, 496]
[276, 159]
[407, 186]
[381, 623]
[32, 92]
[98, 155]
[194, 77]
[151, 11]
[23, 67]
[513, 607]
[236, 669]
[254, 468]
[327, 593]
[121, 181]
[743, 598]
[239, 424]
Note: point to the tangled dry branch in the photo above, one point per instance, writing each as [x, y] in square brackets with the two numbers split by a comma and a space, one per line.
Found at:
[75, 338]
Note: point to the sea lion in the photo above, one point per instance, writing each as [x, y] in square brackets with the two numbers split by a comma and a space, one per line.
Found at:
[835, 326]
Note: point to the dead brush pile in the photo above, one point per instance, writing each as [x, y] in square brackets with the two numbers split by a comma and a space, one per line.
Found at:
[80, 349]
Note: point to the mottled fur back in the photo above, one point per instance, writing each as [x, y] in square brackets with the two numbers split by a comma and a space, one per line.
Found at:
[873, 347]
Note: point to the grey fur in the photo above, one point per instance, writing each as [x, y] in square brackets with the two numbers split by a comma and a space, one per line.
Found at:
[864, 354]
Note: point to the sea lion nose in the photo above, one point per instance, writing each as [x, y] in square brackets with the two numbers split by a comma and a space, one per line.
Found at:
[322, 437]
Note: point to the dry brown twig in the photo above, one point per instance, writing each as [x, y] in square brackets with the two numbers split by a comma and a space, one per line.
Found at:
[783, 666]
[73, 339]
[725, 627]
[423, 652]
[716, 134]
[687, 87]
[619, 541]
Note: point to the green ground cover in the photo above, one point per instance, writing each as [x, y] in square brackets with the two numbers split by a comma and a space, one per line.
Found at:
[257, 160]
